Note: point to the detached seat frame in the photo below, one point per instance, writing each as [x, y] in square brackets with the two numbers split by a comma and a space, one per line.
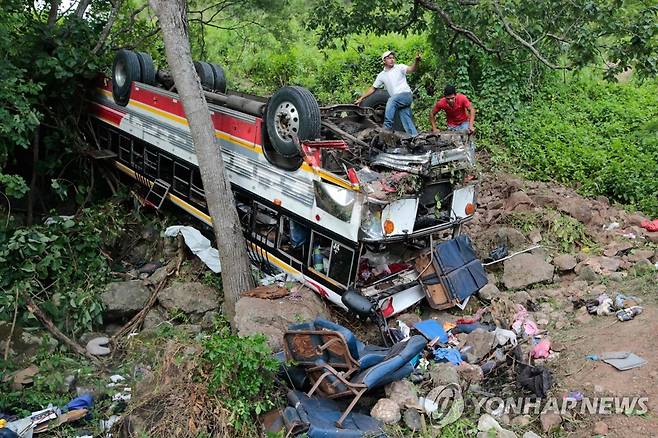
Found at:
[328, 355]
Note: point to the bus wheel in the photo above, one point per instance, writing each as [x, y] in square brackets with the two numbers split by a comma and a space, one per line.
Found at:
[206, 76]
[220, 78]
[125, 70]
[147, 67]
[292, 112]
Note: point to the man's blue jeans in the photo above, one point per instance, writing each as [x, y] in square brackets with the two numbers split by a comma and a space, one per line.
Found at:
[462, 127]
[401, 103]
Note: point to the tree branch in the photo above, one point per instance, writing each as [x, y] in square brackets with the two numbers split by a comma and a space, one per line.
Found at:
[52, 13]
[525, 43]
[108, 27]
[428, 4]
[82, 8]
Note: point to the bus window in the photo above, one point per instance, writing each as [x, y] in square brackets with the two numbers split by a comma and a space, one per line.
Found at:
[330, 258]
[265, 224]
[197, 195]
[166, 169]
[138, 155]
[182, 175]
[125, 149]
[292, 237]
[150, 163]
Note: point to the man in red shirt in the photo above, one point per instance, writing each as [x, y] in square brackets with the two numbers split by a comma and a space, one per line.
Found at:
[460, 114]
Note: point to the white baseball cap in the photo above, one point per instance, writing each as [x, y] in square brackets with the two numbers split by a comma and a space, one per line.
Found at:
[387, 53]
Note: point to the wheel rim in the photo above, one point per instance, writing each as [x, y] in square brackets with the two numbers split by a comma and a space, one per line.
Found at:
[120, 74]
[286, 121]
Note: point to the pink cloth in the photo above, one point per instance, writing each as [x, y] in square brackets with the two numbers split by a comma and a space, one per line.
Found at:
[542, 349]
[650, 225]
[522, 320]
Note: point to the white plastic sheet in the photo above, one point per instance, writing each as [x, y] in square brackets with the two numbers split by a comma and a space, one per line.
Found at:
[198, 244]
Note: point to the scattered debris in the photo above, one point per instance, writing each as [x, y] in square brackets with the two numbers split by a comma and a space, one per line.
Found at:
[198, 244]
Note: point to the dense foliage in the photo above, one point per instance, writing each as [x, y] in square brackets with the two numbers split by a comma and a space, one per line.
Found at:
[242, 373]
[60, 266]
[602, 137]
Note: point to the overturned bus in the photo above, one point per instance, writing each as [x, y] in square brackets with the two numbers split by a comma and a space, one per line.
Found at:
[324, 194]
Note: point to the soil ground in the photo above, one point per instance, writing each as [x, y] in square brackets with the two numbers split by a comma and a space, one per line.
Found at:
[598, 379]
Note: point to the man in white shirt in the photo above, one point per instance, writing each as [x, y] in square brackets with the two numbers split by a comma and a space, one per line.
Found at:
[394, 79]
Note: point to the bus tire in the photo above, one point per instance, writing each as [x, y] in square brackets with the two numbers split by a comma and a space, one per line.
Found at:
[377, 101]
[147, 67]
[205, 74]
[125, 70]
[292, 111]
[219, 78]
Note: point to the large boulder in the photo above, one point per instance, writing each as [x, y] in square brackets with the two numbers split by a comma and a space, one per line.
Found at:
[190, 298]
[526, 269]
[123, 299]
[272, 317]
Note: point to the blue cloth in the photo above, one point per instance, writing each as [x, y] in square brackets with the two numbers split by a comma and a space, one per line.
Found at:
[85, 401]
[432, 330]
[451, 355]
[400, 103]
[462, 127]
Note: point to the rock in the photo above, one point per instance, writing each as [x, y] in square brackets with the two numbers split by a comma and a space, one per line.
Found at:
[402, 392]
[443, 374]
[587, 274]
[512, 237]
[189, 297]
[582, 316]
[521, 421]
[481, 342]
[535, 235]
[98, 346]
[565, 262]
[413, 420]
[519, 201]
[600, 428]
[616, 247]
[530, 434]
[154, 318]
[123, 299]
[526, 269]
[487, 422]
[577, 209]
[489, 291]
[652, 237]
[386, 411]
[634, 219]
[160, 274]
[521, 297]
[550, 421]
[272, 317]
[642, 264]
[598, 389]
[470, 372]
[208, 320]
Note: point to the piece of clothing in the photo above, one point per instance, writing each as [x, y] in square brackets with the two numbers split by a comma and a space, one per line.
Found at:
[400, 103]
[462, 127]
[451, 355]
[456, 114]
[394, 80]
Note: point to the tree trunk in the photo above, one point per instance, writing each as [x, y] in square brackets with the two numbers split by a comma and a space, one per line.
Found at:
[236, 274]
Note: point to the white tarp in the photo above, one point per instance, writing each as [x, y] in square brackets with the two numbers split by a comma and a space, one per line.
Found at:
[198, 244]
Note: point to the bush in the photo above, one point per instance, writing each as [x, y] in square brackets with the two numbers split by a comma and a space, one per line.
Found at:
[242, 373]
[61, 265]
[600, 136]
